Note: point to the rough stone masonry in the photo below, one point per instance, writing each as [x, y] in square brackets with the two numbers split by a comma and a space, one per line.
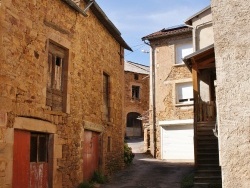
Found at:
[27, 31]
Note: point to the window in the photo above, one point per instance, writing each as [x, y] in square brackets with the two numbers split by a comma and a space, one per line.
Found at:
[106, 96]
[38, 148]
[184, 93]
[182, 50]
[56, 77]
[136, 76]
[135, 92]
[109, 144]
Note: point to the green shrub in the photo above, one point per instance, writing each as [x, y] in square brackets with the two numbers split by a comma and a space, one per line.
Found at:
[128, 154]
[98, 177]
[85, 185]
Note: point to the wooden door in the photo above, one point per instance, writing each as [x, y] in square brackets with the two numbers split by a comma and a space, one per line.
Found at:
[90, 154]
[21, 157]
[38, 160]
[30, 160]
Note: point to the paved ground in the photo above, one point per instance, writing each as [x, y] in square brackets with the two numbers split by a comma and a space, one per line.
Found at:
[146, 172]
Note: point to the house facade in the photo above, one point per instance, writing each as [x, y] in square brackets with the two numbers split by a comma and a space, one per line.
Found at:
[136, 98]
[61, 93]
[171, 94]
[202, 65]
[231, 33]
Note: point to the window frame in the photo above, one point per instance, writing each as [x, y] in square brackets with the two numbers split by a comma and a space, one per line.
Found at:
[135, 92]
[106, 96]
[53, 88]
[190, 101]
[38, 148]
[177, 46]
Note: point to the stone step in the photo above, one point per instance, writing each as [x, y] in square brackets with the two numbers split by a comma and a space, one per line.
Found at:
[207, 161]
[208, 172]
[205, 133]
[208, 179]
[206, 142]
[209, 149]
[207, 137]
[208, 167]
[207, 185]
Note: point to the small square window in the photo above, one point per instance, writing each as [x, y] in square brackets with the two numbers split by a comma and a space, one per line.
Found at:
[136, 76]
[184, 93]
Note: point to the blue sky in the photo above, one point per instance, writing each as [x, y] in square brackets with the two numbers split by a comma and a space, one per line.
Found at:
[138, 18]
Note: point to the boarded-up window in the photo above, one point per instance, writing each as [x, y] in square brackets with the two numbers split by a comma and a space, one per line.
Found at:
[56, 77]
[106, 96]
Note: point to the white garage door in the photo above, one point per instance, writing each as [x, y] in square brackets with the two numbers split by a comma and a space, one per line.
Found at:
[177, 142]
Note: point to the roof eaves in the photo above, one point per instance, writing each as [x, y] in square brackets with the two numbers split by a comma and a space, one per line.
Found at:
[189, 20]
[103, 19]
[187, 59]
[164, 32]
[108, 25]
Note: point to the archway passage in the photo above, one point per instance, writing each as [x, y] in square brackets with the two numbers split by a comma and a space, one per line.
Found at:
[134, 125]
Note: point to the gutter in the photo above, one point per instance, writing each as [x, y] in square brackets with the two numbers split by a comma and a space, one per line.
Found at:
[153, 97]
[75, 7]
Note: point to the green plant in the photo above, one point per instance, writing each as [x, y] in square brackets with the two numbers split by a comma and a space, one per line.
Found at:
[128, 154]
[98, 177]
[85, 185]
[188, 181]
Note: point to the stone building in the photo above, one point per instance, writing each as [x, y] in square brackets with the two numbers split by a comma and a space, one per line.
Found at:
[202, 65]
[171, 94]
[222, 71]
[232, 53]
[61, 93]
[136, 98]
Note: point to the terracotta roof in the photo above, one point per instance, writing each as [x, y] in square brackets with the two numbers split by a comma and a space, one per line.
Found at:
[175, 30]
[136, 67]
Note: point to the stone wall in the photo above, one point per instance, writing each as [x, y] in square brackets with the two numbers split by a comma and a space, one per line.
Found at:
[231, 32]
[167, 76]
[139, 106]
[26, 27]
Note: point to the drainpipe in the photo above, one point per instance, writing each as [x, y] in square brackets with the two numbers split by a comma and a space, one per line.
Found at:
[195, 33]
[153, 99]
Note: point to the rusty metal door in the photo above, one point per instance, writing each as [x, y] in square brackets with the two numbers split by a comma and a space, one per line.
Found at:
[21, 168]
[90, 154]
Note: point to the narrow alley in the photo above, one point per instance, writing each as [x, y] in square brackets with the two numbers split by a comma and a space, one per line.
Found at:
[147, 172]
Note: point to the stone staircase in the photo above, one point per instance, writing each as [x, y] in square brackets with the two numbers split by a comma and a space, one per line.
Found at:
[208, 171]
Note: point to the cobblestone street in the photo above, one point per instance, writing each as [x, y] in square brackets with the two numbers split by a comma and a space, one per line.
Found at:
[147, 172]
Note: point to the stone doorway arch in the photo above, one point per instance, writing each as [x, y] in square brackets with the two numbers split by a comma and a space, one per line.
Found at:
[133, 125]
